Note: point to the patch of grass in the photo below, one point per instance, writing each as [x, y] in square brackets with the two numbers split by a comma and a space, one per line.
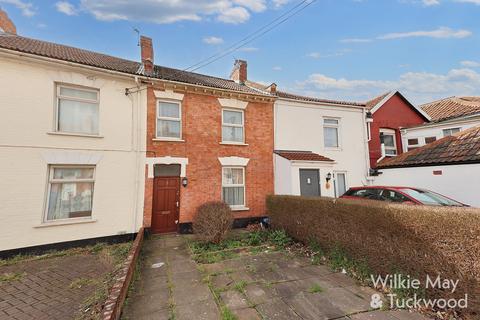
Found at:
[227, 314]
[315, 288]
[251, 268]
[81, 282]
[213, 257]
[11, 276]
[240, 286]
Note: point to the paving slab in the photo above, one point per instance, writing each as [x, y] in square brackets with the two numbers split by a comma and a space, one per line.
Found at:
[234, 300]
[247, 314]
[314, 306]
[277, 309]
[206, 310]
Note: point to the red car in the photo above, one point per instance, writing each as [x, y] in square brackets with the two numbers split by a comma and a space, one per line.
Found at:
[406, 195]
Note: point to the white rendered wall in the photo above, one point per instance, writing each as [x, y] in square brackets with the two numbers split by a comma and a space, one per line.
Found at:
[27, 147]
[435, 130]
[459, 182]
[299, 126]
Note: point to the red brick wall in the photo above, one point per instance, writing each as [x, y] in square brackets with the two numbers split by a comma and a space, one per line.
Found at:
[201, 130]
[394, 114]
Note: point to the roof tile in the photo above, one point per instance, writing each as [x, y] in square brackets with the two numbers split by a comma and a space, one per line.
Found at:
[302, 156]
[460, 148]
[452, 107]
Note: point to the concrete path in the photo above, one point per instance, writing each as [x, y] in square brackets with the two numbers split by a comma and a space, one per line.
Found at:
[261, 285]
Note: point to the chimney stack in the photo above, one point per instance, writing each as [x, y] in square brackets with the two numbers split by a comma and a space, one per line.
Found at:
[147, 54]
[6, 25]
[239, 72]
[273, 88]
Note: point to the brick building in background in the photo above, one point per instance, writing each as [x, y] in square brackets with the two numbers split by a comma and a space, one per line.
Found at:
[208, 139]
[390, 112]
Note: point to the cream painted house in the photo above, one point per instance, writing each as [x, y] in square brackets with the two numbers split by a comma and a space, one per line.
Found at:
[72, 144]
[321, 146]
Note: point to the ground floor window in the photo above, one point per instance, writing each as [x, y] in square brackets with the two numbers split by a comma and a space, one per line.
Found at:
[233, 186]
[70, 192]
[340, 183]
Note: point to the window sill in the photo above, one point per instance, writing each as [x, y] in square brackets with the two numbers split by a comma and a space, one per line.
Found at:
[333, 149]
[240, 209]
[71, 134]
[64, 222]
[234, 144]
[167, 140]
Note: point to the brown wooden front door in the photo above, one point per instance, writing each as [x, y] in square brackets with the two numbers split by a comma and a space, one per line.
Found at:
[166, 203]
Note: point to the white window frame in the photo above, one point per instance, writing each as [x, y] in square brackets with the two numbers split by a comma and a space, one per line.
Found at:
[51, 180]
[224, 185]
[57, 106]
[179, 119]
[336, 183]
[336, 126]
[450, 130]
[413, 146]
[425, 139]
[234, 125]
[390, 132]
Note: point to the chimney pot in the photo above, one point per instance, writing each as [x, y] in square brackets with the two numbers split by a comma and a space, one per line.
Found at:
[239, 72]
[6, 25]
[146, 47]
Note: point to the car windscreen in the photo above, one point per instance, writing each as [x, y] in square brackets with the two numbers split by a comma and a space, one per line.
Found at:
[430, 198]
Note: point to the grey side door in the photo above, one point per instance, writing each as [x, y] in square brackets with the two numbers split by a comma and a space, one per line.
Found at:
[309, 182]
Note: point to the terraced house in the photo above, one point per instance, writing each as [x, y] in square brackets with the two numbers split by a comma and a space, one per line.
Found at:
[71, 144]
[95, 146]
[208, 139]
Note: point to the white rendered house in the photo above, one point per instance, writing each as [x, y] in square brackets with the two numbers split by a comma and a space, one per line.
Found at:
[321, 146]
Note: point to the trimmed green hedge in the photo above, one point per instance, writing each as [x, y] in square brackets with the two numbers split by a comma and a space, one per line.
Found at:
[416, 240]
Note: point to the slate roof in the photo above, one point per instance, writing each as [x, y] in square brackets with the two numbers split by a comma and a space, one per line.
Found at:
[463, 147]
[452, 107]
[103, 61]
[301, 155]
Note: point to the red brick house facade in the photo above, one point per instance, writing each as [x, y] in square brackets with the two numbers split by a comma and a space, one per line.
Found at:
[191, 158]
[390, 112]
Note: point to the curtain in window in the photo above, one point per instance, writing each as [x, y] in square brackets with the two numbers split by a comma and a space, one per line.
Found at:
[233, 196]
[232, 134]
[168, 128]
[169, 110]
[70, 200]
[77, 117]
[331, 137]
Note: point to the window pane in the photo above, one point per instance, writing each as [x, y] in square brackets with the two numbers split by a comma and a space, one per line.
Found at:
[78, 93]
[413, 141]
[168, 128]
[77, 117]
[388, 140]
[70, 200]
[341, 184]
[234, 134]
[330, 121]
[331, 137]
[449, 132]
[73, 173]
[391, 152]
[232, 176]
[234, 196]
[430, 139]
[232, 117]
[170, 110]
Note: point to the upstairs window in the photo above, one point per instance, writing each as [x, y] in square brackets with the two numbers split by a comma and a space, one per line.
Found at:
[169, 121]
[70, 193]
[331, 133]
[387, 137]
[77, 110]
[413, 143]
[233, 126]
[450, 131]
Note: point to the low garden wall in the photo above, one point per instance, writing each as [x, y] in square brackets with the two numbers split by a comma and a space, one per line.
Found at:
[407, 239]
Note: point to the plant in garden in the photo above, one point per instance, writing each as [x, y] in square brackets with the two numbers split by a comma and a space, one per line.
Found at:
[212, 222]
[279, 238]
[315, 288]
